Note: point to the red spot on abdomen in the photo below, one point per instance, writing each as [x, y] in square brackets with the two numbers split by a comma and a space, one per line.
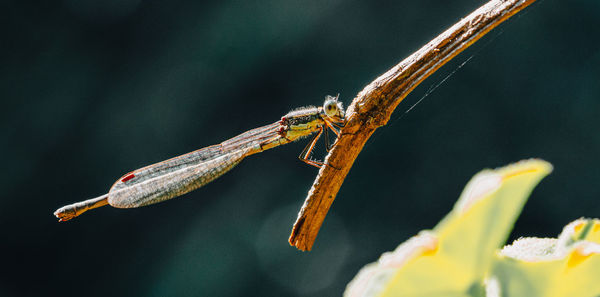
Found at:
[128, 177]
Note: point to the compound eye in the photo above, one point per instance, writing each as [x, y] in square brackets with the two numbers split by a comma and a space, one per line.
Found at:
[330, 107]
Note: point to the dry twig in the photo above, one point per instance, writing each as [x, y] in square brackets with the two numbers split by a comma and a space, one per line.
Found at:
[374, 105]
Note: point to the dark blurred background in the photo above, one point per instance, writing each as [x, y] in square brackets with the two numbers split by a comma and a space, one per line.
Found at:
[93, 89]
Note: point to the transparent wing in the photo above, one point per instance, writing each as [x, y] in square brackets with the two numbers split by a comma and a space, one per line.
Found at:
[167, 184]
[180, 175]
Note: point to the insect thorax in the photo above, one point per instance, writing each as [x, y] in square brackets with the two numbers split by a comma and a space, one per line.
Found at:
[302, 122]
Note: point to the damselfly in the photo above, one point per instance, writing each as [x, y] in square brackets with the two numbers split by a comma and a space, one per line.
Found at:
[180, 175]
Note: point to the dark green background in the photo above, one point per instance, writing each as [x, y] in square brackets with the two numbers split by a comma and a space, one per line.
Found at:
[93, 89]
